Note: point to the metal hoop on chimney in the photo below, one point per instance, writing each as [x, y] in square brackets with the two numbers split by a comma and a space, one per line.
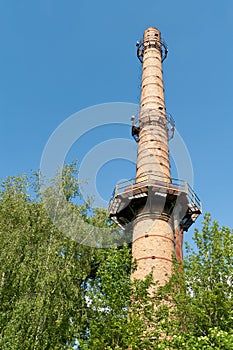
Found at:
[151, 117]
[157, 44]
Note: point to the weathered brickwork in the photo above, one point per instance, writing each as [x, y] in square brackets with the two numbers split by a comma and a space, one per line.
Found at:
[153, 238]
[153, 247]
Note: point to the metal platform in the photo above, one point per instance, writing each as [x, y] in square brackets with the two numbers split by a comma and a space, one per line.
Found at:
[150, 117]
[157, 44]
[151, 194]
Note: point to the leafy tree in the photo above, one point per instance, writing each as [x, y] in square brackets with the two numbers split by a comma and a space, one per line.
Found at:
[192, 311]
[42, 272]
[201, 292]
[54, 290]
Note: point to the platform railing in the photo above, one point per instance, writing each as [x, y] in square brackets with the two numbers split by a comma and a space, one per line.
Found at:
[150, 116]
[155, 180]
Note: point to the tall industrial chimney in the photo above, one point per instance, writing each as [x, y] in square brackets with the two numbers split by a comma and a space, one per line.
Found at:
[157, 208]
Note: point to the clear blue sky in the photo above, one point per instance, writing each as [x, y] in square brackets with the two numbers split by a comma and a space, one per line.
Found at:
[58, 57]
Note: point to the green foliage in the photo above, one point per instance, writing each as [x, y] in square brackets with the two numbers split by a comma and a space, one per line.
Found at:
[201, 290]
[42, 272]
[216, 339]
[192, 311]
[209, 277]
[108, 297]
[54, 290]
